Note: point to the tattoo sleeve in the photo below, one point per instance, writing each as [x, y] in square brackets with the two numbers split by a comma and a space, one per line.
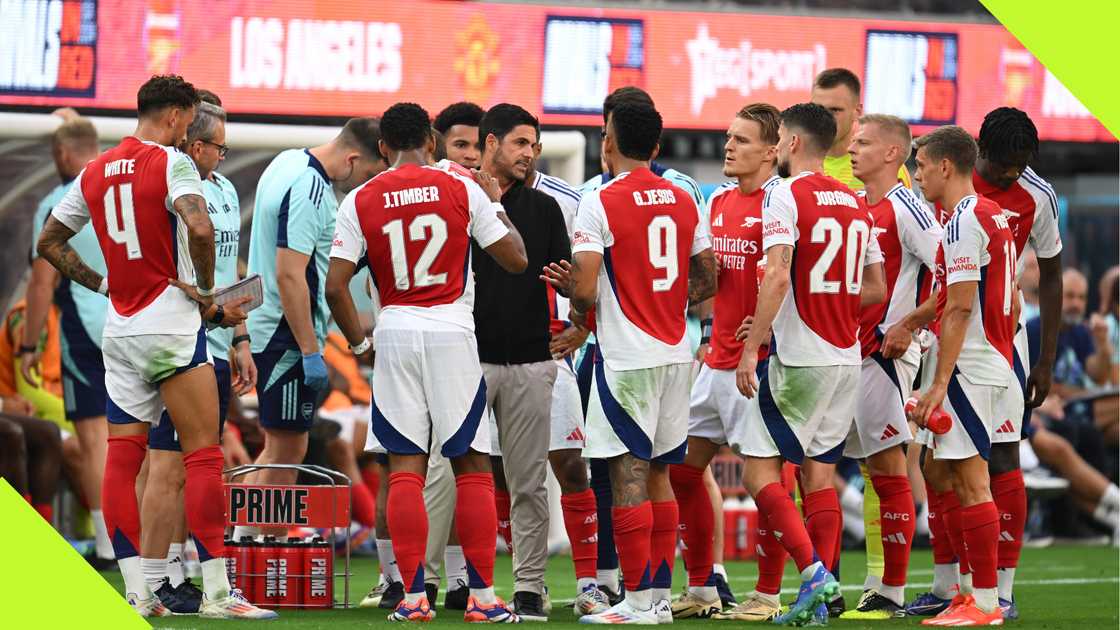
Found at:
[55, 248]
[702, 277]
[629, 476]
[200, 233]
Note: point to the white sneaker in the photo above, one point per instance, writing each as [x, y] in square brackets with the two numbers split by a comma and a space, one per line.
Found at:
[233, 606]
[150, 607]
[374, 597]
[591, 601]
[622, 612]
[663, 610]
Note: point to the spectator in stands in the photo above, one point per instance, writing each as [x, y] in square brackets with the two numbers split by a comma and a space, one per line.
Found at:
[1109, 298]
[1084, 358]
[1028, 283]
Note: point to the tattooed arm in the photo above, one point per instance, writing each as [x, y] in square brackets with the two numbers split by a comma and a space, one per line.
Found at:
[54, 247]
[200, 236]
[702, 274]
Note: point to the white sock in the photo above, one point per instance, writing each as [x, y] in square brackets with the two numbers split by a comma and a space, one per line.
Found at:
[706, 593]
[658, 594]
[455, 564]
[720, 570]
[103, 545]
[412, 598]
[608, 578]
[1105, 513]
[1005, 579]
[215, 582]
[175, 564]
[852, 500]
[155, 571]
[896, 594]
[244, 530]
[1111, 496]
[640, 600]
[810, 571]
[873, 583]
[986, 599]
[582, 584]
[133, 575]
[768, 598]
[484, 595]
[966, 584]
[191, 566]
[945, 577]
[921, 528]
[388, 560]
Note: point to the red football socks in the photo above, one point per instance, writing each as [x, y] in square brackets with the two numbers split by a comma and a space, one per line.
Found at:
[477, 525]
[201, 501]
[408, 527]
[697, 521]
[1010, 496]
[786, 524]
[663, 542]
[896, 510]
[582, 524]
[823, 522]
[951, 516]
[771, 558]
[123, 459]
[362, 505]
[980, 529]
[938, 536]
[502, 505]
[632, 526]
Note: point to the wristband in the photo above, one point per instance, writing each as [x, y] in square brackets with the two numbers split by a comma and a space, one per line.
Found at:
[362, 347]
[238, 339]
[219, 315]
[103, 288]
[706, 328]
[204, 292]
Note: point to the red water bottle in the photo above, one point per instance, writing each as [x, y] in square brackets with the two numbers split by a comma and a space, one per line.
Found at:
[318, 581]
[939, 422]
[264, 566]
[289, 569]
[231, 562]
[243, 558]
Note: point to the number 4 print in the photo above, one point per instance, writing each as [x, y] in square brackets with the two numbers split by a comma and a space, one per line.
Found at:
[122, 229]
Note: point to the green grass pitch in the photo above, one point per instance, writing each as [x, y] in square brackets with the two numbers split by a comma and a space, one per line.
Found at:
[1059, 587]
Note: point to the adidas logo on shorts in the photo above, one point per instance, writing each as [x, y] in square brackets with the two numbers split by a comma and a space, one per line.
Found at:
[888, 433]
[1006, 427]
[576, 436]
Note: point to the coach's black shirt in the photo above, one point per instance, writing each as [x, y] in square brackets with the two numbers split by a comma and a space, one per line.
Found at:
[511, 311]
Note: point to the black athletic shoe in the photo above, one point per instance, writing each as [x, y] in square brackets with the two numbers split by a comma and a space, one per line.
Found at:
[613, 597]
[432, 591]
[529, 606]
[393, 595]
[837, 607]
[726, 597]
[189, 594]
[456, 598]
[170, 598]
[101, 564]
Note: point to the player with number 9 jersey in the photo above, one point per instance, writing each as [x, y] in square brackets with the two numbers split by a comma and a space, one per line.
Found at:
[646, 229]
[414, 224]
[127, 193]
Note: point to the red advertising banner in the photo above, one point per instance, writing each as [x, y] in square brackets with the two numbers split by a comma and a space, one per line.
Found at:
[330, 57]
[307, 506]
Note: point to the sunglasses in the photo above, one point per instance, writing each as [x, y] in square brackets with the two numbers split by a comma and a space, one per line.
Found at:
[222, 149]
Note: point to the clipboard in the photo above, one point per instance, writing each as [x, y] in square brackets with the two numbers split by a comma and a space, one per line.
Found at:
[248, 287]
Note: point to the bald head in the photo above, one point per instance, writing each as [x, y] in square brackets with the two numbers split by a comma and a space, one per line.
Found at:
[1075, 296]
[73, 145]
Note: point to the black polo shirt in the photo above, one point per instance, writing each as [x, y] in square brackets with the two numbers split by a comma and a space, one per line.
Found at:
[511, 311]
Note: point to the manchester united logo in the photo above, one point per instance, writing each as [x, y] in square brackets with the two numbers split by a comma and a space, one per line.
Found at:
[476, 60]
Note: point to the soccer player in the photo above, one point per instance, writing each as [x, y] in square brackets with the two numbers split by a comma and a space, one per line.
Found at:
[415, 224]
[154, 347]
[718, 411]
[838, 90]
[972, 369]
[565, 450]
[908, 236]
[458, 126]
[640, 256]
[808, 394]
[161, 544]
[82, 317]
[293, 221]
[1008, 142]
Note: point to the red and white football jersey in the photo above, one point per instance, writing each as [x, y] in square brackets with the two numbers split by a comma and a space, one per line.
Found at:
[979, 247]
[646, 229]
[829, 228]
[127, 193]
[1031, 208]
[414, 224]
[736, 226]
[908, 235]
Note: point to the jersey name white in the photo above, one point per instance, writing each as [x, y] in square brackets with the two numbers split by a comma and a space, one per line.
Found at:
[835, 198]
[407, 196]
[119, 167]
[657, 196]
